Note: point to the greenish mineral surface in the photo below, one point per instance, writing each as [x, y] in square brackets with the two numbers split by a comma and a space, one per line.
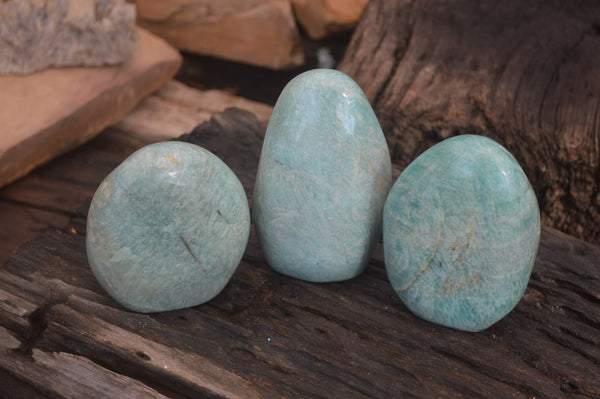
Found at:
[322, 180]
[167, 228]
[460, 233]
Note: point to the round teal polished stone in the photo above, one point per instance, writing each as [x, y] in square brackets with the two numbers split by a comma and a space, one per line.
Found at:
[322, 179]
[461, 228]
[167, 228]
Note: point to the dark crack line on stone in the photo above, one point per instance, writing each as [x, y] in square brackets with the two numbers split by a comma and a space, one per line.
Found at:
[281, 163]
[229, 222]
[435, 251]
[187, 246]
[223, 217]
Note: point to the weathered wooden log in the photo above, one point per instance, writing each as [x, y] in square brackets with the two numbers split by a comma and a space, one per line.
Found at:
[176, 109]
[61, 375]
[525, 73]
[275, 336]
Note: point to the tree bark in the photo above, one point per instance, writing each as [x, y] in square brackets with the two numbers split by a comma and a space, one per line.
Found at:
[525, 73]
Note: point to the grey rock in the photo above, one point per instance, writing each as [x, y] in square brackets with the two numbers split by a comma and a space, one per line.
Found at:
[37, 34]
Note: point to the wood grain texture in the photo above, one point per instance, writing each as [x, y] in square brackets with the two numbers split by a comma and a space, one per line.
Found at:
[62, 375]
[48, 113]
[258, 32]
[274, 336]
[523, 73]
[176, 109]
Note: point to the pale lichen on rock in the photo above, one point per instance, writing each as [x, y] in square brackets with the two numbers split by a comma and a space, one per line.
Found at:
[37, 34]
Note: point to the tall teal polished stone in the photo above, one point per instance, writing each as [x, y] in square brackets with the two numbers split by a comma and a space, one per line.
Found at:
[167, 228]
[460, 233]
[322, 179]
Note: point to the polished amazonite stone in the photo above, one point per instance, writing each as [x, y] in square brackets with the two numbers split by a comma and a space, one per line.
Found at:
[167, 228]
[322, 179]
[461, 230]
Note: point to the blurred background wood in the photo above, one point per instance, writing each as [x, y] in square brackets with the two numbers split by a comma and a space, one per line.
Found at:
[525, 73]
[177, 108]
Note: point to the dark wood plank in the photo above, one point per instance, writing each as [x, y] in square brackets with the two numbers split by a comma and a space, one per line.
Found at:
[268, 335]
[20, 223]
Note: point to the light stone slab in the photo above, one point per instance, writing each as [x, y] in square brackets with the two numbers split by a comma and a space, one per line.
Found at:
[257, 32]
[323, 18]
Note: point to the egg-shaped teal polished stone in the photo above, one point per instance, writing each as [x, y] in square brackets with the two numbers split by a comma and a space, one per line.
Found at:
[167, 228]
[460, 233]
[322, 179]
